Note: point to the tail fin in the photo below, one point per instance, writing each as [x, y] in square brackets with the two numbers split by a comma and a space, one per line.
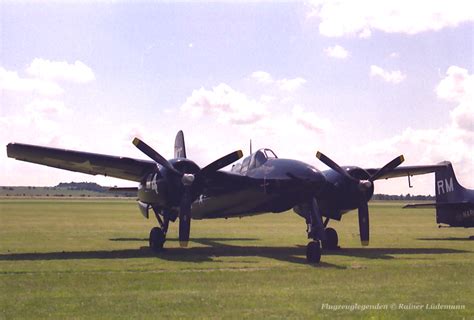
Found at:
[451, 197]
[447, 186]
[454, 203]
[179, 147]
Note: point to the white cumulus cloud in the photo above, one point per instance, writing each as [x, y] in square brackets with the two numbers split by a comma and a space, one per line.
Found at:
[310, 120]
[394, 77]
[284, 84]
[394, 55]
[76, 72]
[46, 107]
[11, 81]
[291, 84]
[35, 99]
[453, 142]
[361, 18]
[337, 52]
[458, 87]
[262, 77]
[229, 105]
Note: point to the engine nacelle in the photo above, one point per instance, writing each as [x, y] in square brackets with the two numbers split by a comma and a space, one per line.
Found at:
[153, 190]
[164, 188]
[344, 194]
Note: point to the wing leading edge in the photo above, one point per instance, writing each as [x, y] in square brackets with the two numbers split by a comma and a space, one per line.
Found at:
[85, 162]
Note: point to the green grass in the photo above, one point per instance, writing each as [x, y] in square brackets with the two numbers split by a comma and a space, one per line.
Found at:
[86, 259]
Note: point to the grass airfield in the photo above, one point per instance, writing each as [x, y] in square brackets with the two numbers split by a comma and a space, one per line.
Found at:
[86, 259]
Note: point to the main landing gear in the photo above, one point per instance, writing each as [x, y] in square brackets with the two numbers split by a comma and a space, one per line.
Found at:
[158, 234]
[314, 248]
[332, 240]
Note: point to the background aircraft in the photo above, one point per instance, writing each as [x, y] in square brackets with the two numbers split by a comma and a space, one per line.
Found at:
[454, 203]
[179, 188]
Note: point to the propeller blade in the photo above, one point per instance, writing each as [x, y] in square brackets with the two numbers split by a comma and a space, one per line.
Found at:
[185, 217]
[222, 162]
[150, 152]
[388, 167]
[331, 164]
[364, 223]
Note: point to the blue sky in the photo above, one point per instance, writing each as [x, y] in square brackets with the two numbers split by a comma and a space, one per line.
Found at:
[360, 81]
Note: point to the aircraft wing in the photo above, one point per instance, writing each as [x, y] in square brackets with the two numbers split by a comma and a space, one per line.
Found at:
[85, 162]
[407, 171]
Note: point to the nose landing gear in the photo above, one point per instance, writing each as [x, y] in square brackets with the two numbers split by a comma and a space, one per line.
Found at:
[158, 234]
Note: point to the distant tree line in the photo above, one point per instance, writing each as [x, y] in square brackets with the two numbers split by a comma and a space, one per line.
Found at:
[407, 197]
[90, 186]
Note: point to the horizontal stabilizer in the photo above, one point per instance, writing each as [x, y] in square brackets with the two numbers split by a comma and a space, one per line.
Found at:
[420, 205]
[439, 205]
[406, 171]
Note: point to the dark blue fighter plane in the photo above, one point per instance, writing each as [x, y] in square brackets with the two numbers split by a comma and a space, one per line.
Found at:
[454, 203]
[178, 189]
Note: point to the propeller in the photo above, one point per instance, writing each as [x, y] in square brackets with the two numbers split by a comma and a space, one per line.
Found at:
[363, 186]
[158, 158]
[187, 181]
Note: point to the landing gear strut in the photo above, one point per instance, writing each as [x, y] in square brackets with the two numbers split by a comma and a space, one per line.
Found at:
[315, 229]
[158, 234]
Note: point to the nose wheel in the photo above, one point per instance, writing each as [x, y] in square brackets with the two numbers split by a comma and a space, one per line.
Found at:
[157, 239]
[158, 234]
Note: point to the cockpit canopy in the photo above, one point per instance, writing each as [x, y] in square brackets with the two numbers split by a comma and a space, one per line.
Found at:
[254, 161]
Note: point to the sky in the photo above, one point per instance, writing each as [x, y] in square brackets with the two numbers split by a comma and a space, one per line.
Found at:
[361, 81]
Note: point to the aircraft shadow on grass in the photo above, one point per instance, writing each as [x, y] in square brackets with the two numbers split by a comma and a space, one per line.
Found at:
[447, 239]
[214, 248]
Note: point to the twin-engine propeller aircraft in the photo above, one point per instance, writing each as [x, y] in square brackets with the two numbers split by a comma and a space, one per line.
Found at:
[179, 188]
[454, 203]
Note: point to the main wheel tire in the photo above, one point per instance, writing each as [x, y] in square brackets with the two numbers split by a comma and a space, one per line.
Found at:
[313, 252]
[332, 239]
[157, 239]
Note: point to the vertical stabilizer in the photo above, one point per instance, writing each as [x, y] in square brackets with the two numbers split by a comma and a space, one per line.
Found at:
[179, 147]
[447, 187]
[449, 196]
